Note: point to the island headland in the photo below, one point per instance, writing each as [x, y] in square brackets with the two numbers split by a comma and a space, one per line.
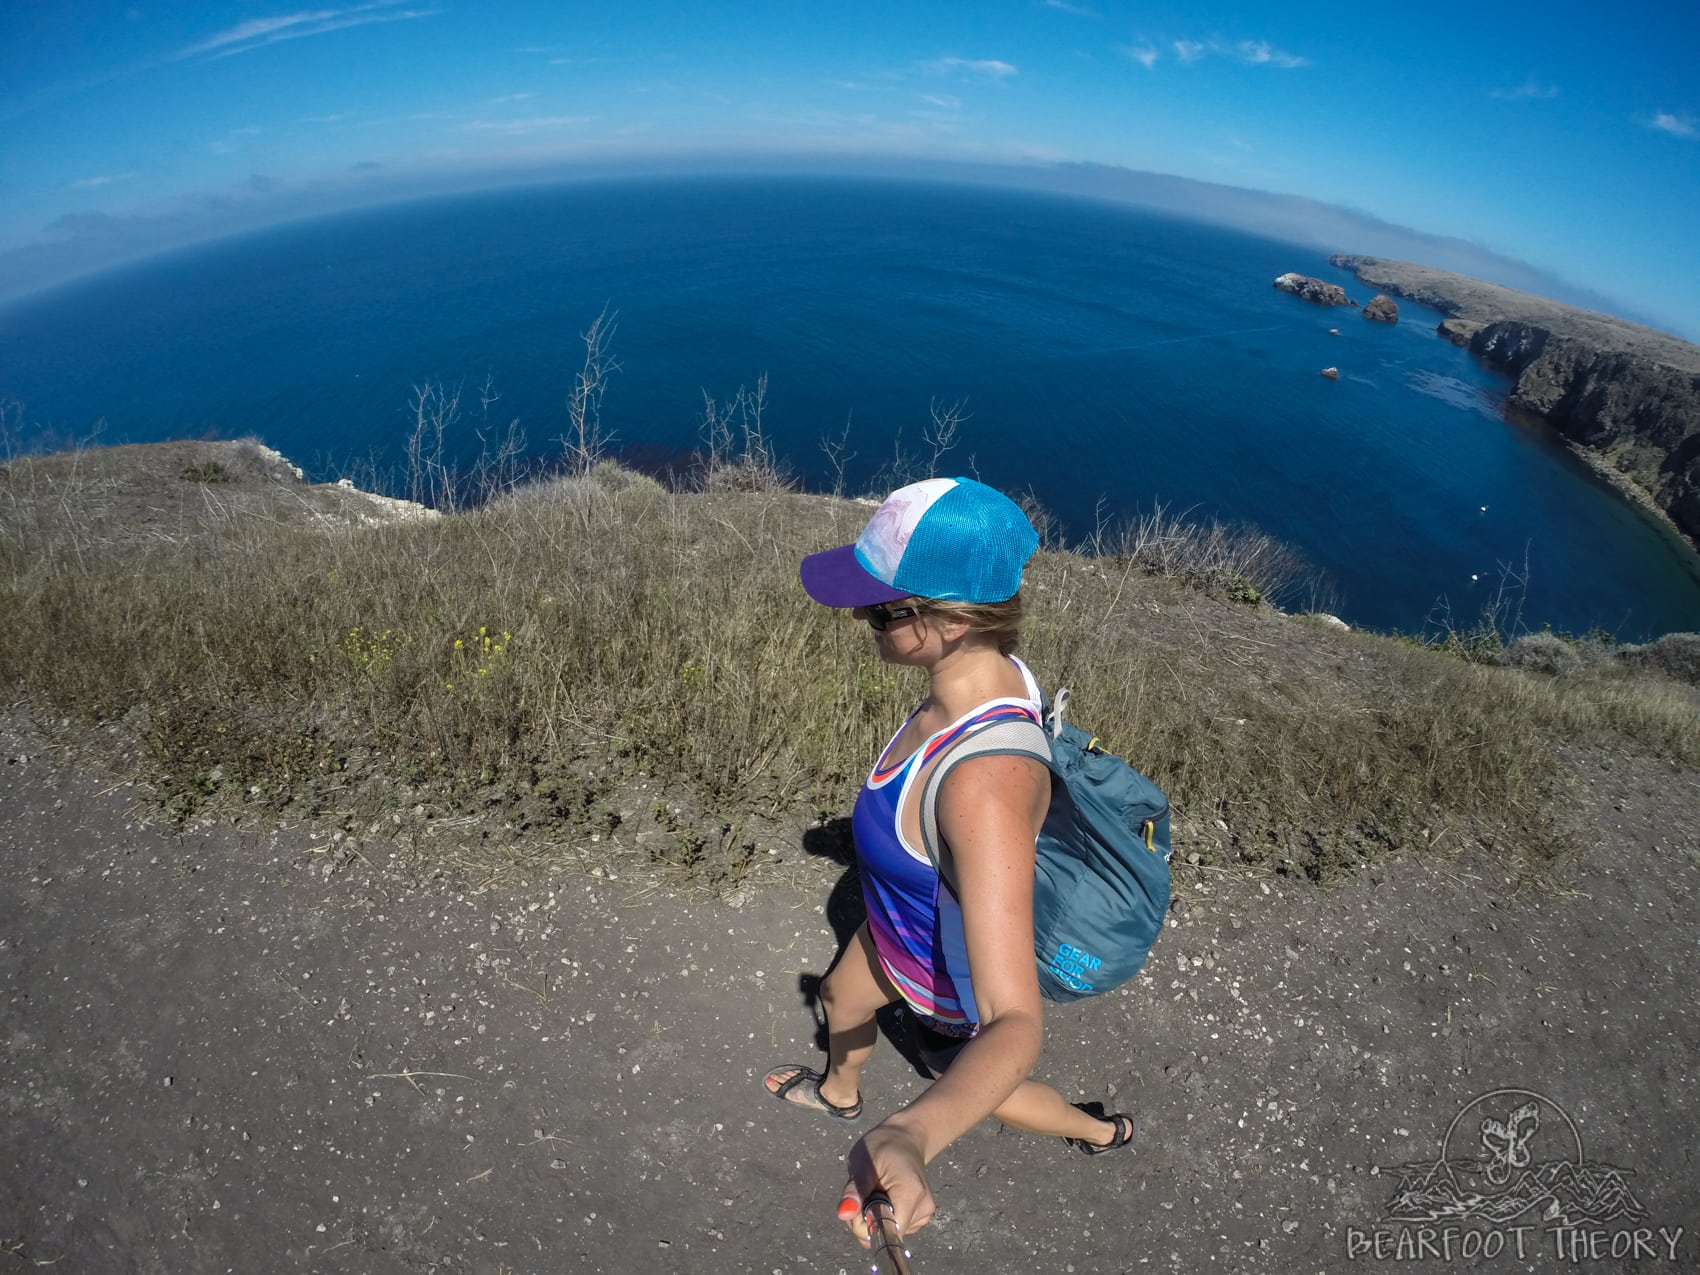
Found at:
[1625, 396]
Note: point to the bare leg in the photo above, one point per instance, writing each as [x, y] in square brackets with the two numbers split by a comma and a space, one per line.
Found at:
[853, 991]
[1038, 1108]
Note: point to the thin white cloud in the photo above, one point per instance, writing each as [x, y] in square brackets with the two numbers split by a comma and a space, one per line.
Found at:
[1675, 125]
[1079, 10]
[256, 33]
[990, 68]
[1145, 55]
[944, 100]
[521, 128]
[1251, 52]
[511, 97]
[90, 183]
[1528, 90]
[1262, 53]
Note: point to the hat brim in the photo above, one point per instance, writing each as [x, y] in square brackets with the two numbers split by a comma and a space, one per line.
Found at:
[835, 578]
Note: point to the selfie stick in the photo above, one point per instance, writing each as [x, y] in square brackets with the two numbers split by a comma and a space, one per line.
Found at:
[890, 1256]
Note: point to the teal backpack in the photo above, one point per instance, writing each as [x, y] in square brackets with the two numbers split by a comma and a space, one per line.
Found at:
[1101, 886]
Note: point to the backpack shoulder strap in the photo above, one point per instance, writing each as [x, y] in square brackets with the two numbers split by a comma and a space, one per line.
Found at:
[1019, 736]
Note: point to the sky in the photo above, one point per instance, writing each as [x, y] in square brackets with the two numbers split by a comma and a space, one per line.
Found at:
[1564, 136]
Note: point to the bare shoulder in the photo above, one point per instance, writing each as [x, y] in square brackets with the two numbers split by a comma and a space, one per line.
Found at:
[982, 787]
[993, 773]
[990, 811]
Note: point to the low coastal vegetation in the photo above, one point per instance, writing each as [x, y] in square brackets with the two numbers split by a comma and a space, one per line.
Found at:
[595, 669]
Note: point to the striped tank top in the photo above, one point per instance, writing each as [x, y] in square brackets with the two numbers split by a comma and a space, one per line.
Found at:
[913, 917]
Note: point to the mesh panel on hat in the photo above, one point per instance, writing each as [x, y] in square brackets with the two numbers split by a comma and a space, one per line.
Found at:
[970, 547]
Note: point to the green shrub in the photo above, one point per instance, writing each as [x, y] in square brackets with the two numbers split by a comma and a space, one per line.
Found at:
[1675, 655]
[607, 476]
[1543, 652]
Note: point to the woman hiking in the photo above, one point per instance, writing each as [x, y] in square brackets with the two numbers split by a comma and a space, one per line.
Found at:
[936, 574]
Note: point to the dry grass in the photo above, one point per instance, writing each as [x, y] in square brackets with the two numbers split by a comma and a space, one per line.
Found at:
[1240, 563]
[597, 654]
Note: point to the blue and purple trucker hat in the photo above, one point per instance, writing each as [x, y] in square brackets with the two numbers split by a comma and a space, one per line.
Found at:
[948, 538]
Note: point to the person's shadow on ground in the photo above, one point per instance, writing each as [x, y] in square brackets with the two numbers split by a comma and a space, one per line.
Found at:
[845, 913]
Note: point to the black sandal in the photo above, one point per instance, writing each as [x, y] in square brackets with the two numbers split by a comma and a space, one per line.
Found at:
[811, 1081]
[1122, 1123]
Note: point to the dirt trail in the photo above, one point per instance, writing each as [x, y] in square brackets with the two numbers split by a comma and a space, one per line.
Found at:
[241, 1053]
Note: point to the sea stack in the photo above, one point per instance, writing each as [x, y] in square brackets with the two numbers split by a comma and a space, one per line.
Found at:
[1313, 290]
[1332, 373]
[1381, 309]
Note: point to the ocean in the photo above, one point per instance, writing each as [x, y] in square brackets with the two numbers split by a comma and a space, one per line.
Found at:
[1110, 360]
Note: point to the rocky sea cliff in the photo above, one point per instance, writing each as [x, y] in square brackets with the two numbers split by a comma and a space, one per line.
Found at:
[1627, 397]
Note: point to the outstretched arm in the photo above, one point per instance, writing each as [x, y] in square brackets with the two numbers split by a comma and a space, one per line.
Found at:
[990, 812]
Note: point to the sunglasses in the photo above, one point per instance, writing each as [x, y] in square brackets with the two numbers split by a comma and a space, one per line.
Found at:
[880, 615]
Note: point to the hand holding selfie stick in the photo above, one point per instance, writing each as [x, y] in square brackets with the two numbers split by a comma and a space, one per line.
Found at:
[890, 1255]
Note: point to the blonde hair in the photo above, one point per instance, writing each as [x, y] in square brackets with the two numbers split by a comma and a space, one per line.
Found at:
[999, 621]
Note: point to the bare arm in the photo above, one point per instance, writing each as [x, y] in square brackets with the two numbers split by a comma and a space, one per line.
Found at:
[990, 811]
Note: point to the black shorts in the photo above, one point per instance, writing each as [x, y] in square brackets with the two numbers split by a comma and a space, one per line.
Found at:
[937, 1050]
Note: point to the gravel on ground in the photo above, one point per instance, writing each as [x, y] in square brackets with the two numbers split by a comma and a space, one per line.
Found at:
[236, 1051]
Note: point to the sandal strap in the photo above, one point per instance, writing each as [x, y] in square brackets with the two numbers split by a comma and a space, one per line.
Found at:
[812, 1078]
[1120, 1121]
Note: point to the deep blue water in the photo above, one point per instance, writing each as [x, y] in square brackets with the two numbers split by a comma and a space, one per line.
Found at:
[1111, 359]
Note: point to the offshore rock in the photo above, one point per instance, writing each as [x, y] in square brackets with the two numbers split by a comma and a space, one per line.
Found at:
[1332, 373]
[1382, 309]
[1313, 290]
